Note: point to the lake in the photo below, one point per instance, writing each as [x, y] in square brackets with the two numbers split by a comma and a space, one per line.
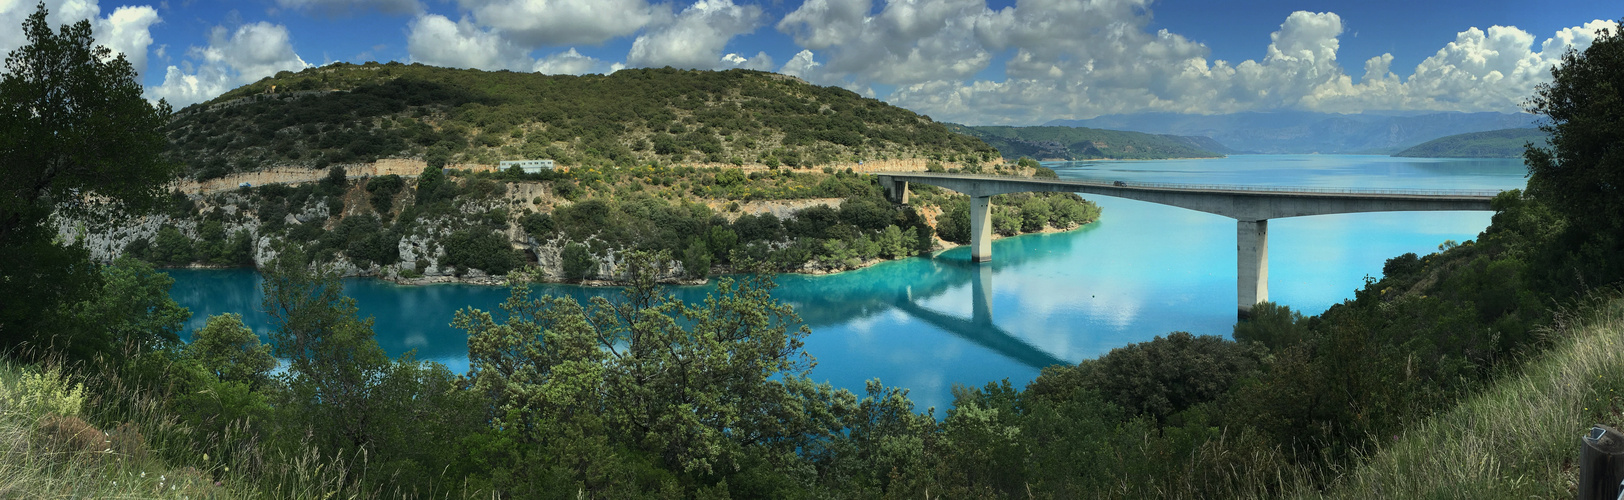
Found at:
[927, 324]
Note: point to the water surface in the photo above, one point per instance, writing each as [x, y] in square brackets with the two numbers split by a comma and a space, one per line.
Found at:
[926, 324]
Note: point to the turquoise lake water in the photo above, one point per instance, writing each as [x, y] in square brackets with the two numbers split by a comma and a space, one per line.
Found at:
[926, 324]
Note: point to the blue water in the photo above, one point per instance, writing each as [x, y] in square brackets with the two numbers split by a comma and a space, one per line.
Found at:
[926, 324]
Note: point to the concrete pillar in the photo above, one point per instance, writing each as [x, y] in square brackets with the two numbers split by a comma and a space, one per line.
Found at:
[1252, 264]
[895, 190]
[980, 228]
[981, 294]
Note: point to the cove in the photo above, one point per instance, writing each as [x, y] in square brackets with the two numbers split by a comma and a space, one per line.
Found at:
[926, 324]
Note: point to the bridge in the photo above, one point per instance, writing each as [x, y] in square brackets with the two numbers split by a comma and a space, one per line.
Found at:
[1250, 206]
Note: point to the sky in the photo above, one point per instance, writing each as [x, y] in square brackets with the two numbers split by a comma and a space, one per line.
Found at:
[979, 62]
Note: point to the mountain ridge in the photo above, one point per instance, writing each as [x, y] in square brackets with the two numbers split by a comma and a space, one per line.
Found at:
[1075, 143]
[1287, 132]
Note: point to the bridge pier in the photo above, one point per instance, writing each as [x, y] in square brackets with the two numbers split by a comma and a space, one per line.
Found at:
[1252, 264]
[980, 228]
[896, 190]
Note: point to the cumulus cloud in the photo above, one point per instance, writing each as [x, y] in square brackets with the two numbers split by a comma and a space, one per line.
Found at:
[906, 42]
[696, 37]
[231, 59]
[435, 40]
[536, 23]
[803, 65]
[350, 7]
[128, 30]
[760, 62]
[568, 62]
[1083, 59]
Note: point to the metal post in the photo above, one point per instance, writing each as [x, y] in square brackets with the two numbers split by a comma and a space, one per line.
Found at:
[1601, 463]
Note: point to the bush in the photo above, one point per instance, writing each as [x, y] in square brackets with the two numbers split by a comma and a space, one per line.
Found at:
[578, 262]
[480, 249]
[383, 191]
[171, 248]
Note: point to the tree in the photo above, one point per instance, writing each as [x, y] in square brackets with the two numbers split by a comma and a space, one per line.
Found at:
[1581, 173]
[76, 139]
[132, 309]
[334, 363]
[231, 352]
[705, 390]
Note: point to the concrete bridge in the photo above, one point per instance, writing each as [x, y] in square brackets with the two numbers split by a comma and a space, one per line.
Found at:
[1251, 207]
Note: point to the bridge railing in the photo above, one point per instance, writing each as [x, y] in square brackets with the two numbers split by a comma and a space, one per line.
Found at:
[1233, 187]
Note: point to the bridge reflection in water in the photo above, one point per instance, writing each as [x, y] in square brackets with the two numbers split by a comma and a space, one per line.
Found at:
[914, 289]
[979, 327]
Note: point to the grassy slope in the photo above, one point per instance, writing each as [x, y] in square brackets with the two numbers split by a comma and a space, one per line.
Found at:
[1078, 143]
[1504, 143]
[1518, 438]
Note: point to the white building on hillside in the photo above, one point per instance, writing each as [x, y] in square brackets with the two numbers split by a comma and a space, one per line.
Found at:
[529, 166]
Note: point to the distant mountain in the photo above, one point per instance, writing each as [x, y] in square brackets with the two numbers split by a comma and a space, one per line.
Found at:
[1308, 132]
[1071, 143]
[1504, 143]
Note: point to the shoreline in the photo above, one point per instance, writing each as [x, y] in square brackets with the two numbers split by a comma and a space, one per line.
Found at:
[502, 281]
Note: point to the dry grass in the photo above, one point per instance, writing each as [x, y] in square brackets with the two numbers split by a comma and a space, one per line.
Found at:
[1517, 439]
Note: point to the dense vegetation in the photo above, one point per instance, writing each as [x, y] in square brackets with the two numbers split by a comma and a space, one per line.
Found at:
[1080, 143]
[454, 222]
[1504, 143]
[346, 113]
[648, 397]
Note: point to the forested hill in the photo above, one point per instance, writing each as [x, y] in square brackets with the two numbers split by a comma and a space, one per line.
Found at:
[347, 113]
[1078, 143]
[1505, 143]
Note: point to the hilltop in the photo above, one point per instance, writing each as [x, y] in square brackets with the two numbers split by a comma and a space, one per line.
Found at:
[1504, 143]
[347, 113]
[1078, 143]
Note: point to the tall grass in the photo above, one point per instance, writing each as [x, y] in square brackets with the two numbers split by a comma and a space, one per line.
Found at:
[50, 448]
[1517, 439]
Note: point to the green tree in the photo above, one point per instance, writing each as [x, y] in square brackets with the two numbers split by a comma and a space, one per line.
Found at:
[696, 260]
[231, 352]
[78, 139]
[705, 390]
[1581, 173]
[132, 310]
[578, 263]
[334, 362]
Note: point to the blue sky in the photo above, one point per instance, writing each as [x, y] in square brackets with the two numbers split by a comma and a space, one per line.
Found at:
[972, 61]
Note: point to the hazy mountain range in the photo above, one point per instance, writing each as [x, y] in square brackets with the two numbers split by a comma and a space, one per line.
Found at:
[1309, 132]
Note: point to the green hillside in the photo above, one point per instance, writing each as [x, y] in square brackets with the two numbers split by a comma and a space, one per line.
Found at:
[346, 113]
[1078, 143]
[1504, 143]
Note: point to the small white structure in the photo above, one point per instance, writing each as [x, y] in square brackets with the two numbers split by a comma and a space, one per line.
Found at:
[529, 166]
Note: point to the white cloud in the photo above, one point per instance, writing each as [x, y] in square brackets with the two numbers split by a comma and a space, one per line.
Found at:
[696, 37]
[536, 23]
[127, 30]
[760, 62]
[568, 62]
[438, 41]
[232, 58]
[349, 7]
[802, 65]
[906, 42]
[1083, 59]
